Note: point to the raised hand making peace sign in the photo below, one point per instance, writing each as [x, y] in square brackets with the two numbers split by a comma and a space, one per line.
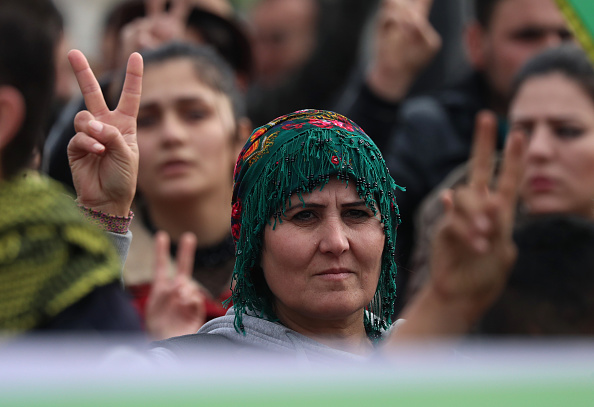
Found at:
[103, 154]
[158, 27]
[473, 250]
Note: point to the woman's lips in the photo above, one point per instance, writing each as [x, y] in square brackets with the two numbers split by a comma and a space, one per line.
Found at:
[174, 167]
[335, 274]
[541, 183]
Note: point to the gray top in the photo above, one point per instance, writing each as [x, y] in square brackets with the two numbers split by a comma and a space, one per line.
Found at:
[273, 337]
[261, 337]
[121, 243]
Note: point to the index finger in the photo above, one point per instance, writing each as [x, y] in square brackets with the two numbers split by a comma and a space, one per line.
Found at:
[180, 9]
[483, 147]
[512, 169]
[132, 89]
[185, 255]
[90, 88]
[424, 6]
[154, 7]
[162, 258]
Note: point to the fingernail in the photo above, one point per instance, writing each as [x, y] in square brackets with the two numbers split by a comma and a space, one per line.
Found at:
[96, 126]
[98, 147]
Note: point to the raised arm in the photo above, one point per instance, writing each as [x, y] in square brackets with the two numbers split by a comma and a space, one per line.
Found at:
[103, 154]
[473, 249]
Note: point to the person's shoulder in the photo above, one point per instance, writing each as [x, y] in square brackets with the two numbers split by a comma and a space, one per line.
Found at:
[191, 341]
[193, 345]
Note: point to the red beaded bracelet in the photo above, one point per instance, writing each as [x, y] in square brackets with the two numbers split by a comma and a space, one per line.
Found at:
[107, 222]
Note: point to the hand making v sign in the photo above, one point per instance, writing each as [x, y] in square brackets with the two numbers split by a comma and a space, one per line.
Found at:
[473, 250]
[103, 154]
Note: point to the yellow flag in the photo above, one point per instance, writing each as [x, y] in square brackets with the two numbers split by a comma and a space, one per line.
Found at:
[580, 17]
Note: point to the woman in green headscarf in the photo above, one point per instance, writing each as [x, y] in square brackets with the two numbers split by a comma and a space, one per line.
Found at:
[314, 221]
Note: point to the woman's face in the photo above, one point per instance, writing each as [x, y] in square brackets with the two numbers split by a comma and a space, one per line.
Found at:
[557, 118]
[185, 134]
[322, 262]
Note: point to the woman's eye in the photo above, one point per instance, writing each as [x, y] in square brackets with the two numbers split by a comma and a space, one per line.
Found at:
[357, 214]
[304, 216]
[194, 115]
[146, 121]
[569, 131]
[524, 129]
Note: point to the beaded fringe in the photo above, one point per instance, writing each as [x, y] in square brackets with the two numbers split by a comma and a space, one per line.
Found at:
[299, 166]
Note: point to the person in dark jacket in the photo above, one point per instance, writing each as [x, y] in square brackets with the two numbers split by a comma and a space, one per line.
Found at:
[427, 137]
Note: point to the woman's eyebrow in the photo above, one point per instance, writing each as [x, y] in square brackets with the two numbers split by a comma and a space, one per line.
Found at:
[299, 205]
[310, 205]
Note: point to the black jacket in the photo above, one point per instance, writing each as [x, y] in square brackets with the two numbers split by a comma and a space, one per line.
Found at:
[422, 140]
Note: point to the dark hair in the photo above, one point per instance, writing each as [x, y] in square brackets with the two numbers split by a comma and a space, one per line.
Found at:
[29, 29]
[227, 36]
[210, 68]
[567, 59]
[483, 11]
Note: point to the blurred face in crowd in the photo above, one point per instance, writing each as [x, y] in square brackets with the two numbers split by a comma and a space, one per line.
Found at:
[323, 261]
[518, 30]
[557, 118]
[284, 35]
[186, 134]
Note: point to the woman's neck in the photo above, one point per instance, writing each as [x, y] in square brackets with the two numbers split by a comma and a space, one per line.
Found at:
[207, 216]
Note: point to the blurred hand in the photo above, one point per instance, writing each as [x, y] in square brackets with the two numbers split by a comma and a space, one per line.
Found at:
[473, 249]
[405, 43]
[158, 27]
[175, 306]
[103, 154]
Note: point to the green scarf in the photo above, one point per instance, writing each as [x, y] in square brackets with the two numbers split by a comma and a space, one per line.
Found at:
[50, 256]
[295, 154]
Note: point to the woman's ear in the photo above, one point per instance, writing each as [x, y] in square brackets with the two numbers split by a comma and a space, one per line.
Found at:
[474, 37]
[12, 114]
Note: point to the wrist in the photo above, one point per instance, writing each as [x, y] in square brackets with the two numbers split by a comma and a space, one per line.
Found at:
[462, 310]
[119, 209]
[431, 315]
[391, 86]
[107, 221]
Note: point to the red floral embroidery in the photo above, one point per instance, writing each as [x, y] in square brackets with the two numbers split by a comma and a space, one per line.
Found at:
[324, 124]
[258, 133]
[236, 231]
[334, 160]
[290, 126]
[236, 211]
[342, 125]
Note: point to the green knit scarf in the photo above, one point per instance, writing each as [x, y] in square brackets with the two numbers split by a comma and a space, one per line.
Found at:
[50, 256]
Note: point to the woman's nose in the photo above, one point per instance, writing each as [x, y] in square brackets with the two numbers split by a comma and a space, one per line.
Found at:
[540, 145]
[334, 237]
[172, 130]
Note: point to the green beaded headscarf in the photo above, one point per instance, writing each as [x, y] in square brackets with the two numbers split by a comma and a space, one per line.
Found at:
[295, 154]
